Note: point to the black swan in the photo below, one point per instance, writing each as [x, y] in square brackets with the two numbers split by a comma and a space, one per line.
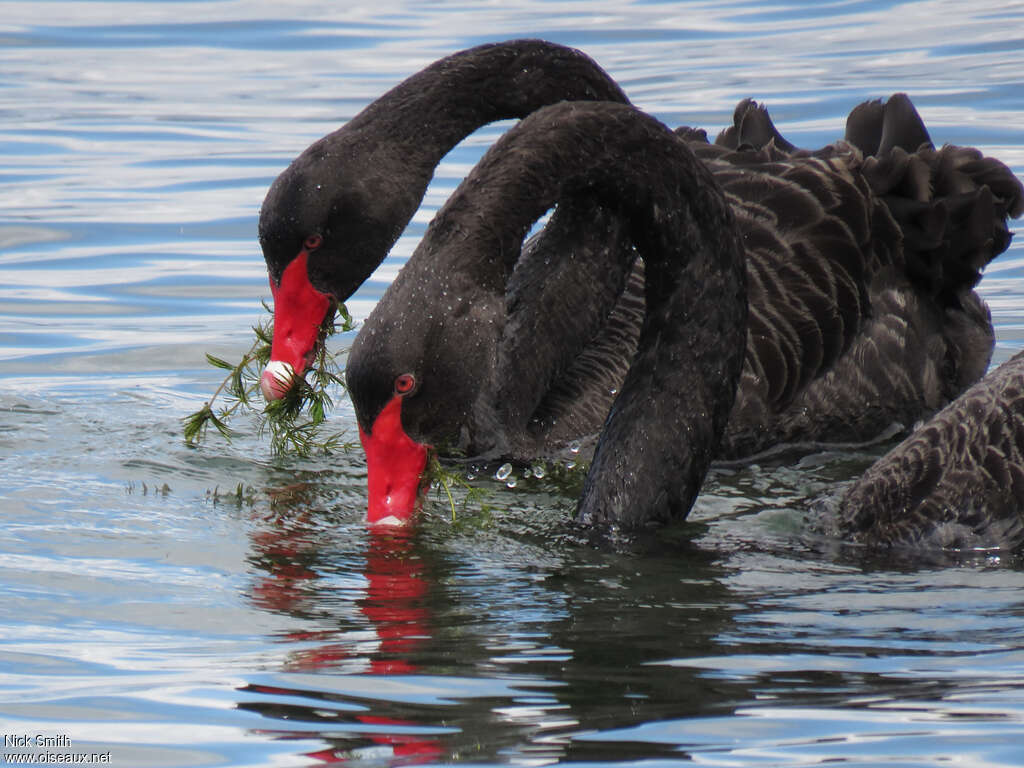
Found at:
[332, 216]
[963, 470]
[860, 259]
[409, 389]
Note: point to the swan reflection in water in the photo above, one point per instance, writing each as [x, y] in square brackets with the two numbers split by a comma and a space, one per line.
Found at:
[391, 602]
[410, 650]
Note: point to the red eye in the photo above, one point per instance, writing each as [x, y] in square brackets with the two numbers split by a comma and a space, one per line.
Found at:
[405, 384]
[313, 242]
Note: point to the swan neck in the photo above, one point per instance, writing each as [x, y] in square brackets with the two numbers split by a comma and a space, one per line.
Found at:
[434, 109]
[667, 421]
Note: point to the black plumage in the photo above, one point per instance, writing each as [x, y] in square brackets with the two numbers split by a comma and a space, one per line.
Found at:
[859, 260]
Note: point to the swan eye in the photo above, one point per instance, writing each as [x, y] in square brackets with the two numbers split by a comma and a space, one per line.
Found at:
[404, 384]
[313, 242]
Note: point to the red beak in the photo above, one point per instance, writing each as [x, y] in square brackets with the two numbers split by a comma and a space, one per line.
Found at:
[395, 466]
[299, 311]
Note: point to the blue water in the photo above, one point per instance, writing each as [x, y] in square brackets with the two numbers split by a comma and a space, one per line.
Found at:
[211, 606]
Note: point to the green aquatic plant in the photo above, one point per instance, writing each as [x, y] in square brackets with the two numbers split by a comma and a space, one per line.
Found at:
[241, 495]
[295, 422]
[443, 480]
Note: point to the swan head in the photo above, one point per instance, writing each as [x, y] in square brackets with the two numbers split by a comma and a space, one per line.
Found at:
[325, 225]
[421, 379]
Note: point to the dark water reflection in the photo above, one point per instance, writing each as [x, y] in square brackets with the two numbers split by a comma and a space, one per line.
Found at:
[219, 606]
[526, 654]
[480, 659]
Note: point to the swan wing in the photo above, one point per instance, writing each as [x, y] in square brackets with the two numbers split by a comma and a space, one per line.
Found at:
[860, 269]
[957, 481]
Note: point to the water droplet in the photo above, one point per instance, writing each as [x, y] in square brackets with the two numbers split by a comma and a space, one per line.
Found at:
[512, 482]
[503, 472]
[574, 446]
[471, 476]
[539, 470]
[570, 465]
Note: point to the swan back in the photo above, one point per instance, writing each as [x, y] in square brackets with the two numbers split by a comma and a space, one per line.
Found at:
[956, 482]
[860, 270]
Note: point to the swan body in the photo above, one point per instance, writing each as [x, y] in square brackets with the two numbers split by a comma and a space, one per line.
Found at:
[667, 422]
[861, 262]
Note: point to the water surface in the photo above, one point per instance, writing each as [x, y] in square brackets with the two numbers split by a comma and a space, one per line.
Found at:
[181, 606]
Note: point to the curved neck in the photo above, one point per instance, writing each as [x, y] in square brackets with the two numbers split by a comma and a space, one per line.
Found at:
[393, 146]
[433, 110]
[665, 425]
